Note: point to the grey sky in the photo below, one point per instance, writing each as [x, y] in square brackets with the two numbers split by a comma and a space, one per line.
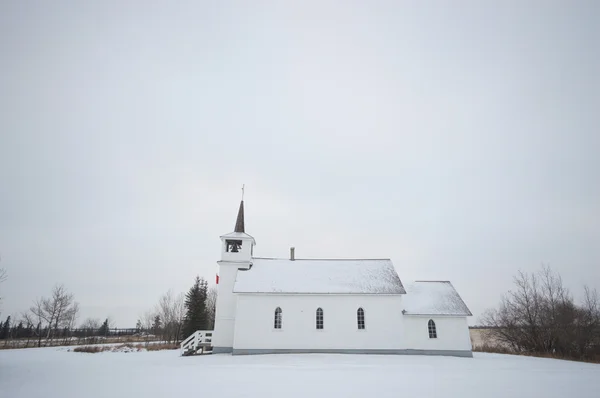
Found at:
[459, 139]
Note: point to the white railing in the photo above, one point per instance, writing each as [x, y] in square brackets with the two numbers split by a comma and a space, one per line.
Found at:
[197, 341]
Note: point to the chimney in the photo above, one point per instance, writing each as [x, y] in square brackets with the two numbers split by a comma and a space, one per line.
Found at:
[292, 253]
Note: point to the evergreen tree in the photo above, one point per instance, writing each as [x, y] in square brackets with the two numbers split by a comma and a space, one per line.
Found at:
[138, 325]
[196, 314]
[5, 329]
[103, 331]
[19, 332]
[156, 325]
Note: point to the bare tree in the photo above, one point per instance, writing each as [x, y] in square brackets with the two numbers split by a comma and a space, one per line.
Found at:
[165, 310]
[35, 320]
[29, 327]
[3, 277]
[39, 311]
[147, 320]
[59, 310]
[3, 274]
[90, 324]
[540, 316]
[71, 316]
[587, 332]
[211, 306]
[171, 312]
[179, 313]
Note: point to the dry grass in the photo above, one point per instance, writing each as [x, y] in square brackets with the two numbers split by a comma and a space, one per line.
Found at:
[497, 349]
[595, 359]
[160, 346]
[503, 350]
[126, 348]
[90, 349]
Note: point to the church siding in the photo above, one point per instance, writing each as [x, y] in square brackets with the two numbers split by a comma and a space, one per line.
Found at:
[254, 327]
[386, 328]
[452, 332]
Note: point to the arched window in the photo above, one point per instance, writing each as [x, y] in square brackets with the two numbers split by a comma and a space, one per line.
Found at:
[278, 317]
[319, 318]
[360, 317]
[432, 331]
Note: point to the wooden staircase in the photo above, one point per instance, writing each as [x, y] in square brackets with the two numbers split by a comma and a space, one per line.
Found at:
[200, 342]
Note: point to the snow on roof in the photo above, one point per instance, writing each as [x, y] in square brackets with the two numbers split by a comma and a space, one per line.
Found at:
[434, 298]
[316, 276]
[237, 235]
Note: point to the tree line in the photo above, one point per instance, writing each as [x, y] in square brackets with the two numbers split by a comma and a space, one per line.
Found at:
[540, 316]
[174, 318]
[52, 320]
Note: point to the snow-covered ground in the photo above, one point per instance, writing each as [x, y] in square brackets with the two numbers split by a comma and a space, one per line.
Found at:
[57, 372]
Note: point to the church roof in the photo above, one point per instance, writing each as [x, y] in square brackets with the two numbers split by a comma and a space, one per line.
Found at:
[434, 298]
[234, 235]
[237, 235]
[319, 276]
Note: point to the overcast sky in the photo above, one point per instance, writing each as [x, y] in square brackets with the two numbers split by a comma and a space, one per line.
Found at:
[459, 139]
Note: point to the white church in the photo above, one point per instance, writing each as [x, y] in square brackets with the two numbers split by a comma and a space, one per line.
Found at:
[293, 305]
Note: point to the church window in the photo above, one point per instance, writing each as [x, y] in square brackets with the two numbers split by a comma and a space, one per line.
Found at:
[319, 318]
[278, 318]
[432, 330]
[233, 246]
[360, 317]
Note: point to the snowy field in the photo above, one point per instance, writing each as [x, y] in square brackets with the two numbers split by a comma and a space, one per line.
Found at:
[56, 372]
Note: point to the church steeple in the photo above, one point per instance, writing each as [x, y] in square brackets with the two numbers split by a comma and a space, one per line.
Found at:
[238, 245]
[239, 224]
[236, 254]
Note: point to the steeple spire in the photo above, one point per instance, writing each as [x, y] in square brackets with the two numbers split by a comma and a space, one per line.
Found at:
[239, 224]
